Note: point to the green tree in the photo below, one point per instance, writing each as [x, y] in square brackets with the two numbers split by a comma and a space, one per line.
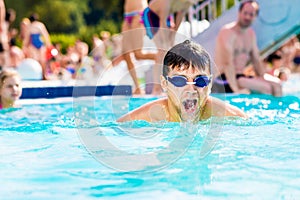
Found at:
[58, 15]
[63, 16]
[110, 10]
[106, 15]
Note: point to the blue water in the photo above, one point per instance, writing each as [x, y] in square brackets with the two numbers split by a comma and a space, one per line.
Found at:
[47, 152]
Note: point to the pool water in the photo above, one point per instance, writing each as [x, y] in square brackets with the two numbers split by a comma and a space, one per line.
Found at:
[45, 153]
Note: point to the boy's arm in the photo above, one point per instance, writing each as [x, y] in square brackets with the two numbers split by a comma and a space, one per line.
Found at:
[151, 112]
[220, 108]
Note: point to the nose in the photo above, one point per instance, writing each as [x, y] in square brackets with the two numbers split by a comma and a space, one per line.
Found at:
[191, 87]
[190, 84]
[249, 16]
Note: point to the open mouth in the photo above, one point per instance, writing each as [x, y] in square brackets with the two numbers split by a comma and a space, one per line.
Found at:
[190, 105]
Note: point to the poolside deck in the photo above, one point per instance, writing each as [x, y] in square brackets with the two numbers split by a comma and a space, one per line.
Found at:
[78, 88]
[112, 81]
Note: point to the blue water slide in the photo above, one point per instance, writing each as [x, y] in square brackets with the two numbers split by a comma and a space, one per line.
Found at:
[277, 22]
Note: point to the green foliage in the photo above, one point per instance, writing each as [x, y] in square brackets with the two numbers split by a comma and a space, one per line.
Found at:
[112, 9]
[230, 3]
[61, 16]
[66, 20]
[109, 25]
[65, 40]
[86, 32]
[58, 15]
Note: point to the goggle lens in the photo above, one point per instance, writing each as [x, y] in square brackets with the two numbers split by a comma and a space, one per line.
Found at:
[180, 81]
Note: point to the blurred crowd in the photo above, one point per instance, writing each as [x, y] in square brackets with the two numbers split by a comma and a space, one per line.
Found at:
[45, 60]
[36, 49]
[37, 58]
[283, 61]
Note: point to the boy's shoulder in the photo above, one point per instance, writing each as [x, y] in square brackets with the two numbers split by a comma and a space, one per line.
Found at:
[151, 111]
[218, 107]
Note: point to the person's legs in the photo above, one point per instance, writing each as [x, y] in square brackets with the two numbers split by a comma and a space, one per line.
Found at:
[276, 89]
[162, 47]
[138, 34]
[43, 62]
[139, 55]
[157, 71]
[256, 84]
[276, 84]
[260, 85]
[132, 72]
[40, 56]
[128, 45]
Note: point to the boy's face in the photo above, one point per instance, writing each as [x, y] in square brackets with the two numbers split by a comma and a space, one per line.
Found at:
[188, 99]
[11, 89]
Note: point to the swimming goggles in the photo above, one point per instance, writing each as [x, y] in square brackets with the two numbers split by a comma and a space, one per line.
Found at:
[199, 81]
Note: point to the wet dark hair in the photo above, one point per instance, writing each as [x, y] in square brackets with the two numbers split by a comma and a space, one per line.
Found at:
[243, 3]
[184, 54]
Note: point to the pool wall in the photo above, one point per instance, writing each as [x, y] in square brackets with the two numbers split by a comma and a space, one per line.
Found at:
[75, 91]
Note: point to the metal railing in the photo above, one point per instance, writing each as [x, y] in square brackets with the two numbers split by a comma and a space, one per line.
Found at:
[208, 10]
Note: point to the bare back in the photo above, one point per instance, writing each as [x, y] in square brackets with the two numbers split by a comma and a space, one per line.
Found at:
[36, 27]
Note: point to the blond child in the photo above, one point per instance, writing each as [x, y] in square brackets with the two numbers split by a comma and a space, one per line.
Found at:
[10, 88]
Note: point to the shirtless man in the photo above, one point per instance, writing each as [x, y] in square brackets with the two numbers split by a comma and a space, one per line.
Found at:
[235, 48]
[160, 26]
[187, 81]
[133, 35]
[36, 41]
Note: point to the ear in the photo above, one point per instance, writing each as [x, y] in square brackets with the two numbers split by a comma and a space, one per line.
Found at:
[163, 83]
